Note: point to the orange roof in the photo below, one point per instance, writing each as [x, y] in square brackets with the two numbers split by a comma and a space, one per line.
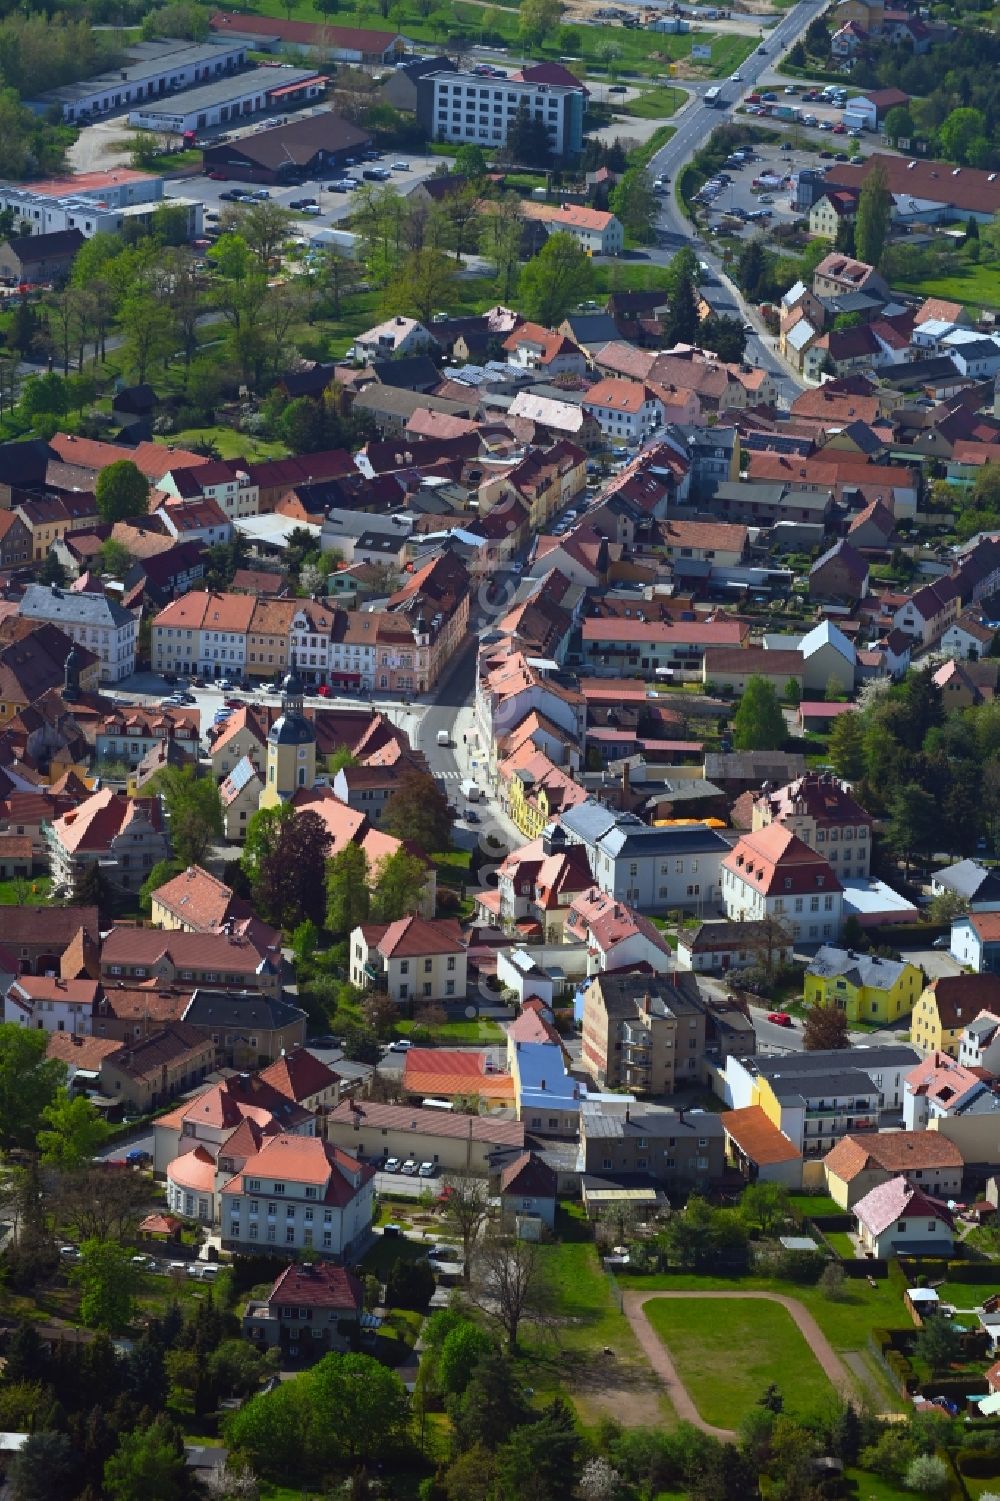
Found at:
[618, 395]
[573, 215]
[194, 1170]
[153, 459]
[757, 1137]
[199, 610]
[444, 1071]
[82, 1052]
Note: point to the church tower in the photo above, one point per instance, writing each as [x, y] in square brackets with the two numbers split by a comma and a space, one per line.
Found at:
[71, 677]
[291, 746]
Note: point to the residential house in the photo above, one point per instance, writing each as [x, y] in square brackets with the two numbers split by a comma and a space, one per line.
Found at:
[250, 1028]
[980, 1043]
[537, 791]
[49, 1003]
[838, 274]
[975, 941]
[536, 885]
[820, 809]
[967, 638]
[300, 1193]
[679, 1150]
[303, 1077]
[616, 937]
[717, 947]
[634, 644]
[92, 620]
[978, 886]
[202, 634]
[628, 411]
[946, 1006]
[939, 1089]
[546, 1096]
[897, 1218]
[528, 1192]
[313, 1308]
[857, 1164]
[867, 988]
[143, 1075]
[840, 574]
[644, 1033]
[532, 347]
[815, 1098]
[927, 614]
[772, 873]
[242, 962]
[123, 836]
[454, 1142]
[595, 231]
[38, 938]
[414, 960]
[396, 336]
[650, 869]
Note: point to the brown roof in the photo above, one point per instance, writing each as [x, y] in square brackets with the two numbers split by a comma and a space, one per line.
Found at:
[893, 1151]
[960, 998]
[299, 1074]
[966, 188]
[529, 1177]
[487, 1128]
[82, 1052]
[316, 1284]
[758, 1137]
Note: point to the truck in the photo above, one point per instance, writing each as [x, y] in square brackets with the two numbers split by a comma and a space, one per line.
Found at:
[787, 112]
[470, 790]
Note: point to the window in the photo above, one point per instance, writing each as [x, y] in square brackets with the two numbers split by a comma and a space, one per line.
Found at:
[279, 1188]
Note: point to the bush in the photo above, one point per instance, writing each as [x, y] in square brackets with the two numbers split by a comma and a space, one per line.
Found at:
[927, 1475]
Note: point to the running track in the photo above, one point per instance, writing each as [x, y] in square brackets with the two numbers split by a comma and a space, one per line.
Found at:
[658, 1355]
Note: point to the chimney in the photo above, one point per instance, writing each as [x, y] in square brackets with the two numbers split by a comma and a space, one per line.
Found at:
[646, 1004]
[626, 787]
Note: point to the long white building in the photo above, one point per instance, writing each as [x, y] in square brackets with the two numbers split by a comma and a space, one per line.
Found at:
[92, 202]
[152, 70]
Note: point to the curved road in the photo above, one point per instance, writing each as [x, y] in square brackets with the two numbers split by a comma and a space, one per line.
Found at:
[634, 1304]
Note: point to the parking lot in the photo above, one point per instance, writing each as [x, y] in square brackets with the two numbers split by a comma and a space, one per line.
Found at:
[333, 206]
[761, 188]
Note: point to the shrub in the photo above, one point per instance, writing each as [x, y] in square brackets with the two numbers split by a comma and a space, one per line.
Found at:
[927, 1475]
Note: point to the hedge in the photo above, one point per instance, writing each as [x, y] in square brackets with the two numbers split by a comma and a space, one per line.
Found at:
[977, 1273]
[979, 1464]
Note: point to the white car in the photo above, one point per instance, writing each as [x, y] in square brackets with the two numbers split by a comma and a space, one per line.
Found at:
[400, 166]
[410, 1168]
[735, 78]
[426, 1170]
[391, 1165]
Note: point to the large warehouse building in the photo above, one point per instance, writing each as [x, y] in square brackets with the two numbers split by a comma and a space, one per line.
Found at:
[304, 148]
[152, 70]
[345, 44]
[266, 90]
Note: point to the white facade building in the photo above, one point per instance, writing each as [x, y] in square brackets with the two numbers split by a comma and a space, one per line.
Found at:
[93, 621]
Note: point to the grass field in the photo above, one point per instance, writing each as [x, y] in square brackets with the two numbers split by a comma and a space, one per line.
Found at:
[657, 104]
[847, 1324]
[974, 286]
[602, 49]
[727, 1354]
[472, 1030]
[12, 893]
[230, 443]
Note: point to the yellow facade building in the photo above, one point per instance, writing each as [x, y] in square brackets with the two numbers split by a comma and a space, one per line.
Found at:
[865, 987]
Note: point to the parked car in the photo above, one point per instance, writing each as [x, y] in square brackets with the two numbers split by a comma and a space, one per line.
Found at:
[779, 1018]
[427, 1169]
[840, 129]
[410, 1168]
[391, 1165]
[400, 166]
[943, 942]
[301, 203]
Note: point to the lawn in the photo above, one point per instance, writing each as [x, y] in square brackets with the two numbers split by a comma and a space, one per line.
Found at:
[585, 1350]
[657, 103]
[469, 1030]
[703, 1338]
[18, 894]
[230, 443]
[603, 50]
[847, 1324]
[974, 286]
[810, 1204]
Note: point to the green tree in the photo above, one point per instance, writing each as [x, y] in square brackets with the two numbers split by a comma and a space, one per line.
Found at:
[148, 1465]
[541, 1459]
[793, 692]
[556, 279]
[284, 859]
[461, 1352]
[846, 746]
[114, 558]
[108, 1280]
[470, 161]
[959, 134]
[466, 1207]
[29, 1083]
[914, 822]
[537, 20]
[46, 1468]
[633, 201]
[74, 1130]
[162, 872]
[363, 1402]
[825, 1027]
[899, 124]
[752, 273]
[121, 492]
[871, 225]
[939, 1344]
[724, 335]
[418, 812]
[764, 1206]
[682, 321]
[194, 809]
[399, 884]
[758, 723]
[423, 285]
[348, 900]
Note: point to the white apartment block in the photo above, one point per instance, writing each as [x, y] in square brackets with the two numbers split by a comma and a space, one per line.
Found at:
[92, 620]
[457, 107]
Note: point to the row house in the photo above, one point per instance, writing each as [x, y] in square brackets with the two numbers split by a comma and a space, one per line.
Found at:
[129, 733]
[49, 517]
[617, 647]
[226, 482]
[124, 837]
[225, 961]
[203, 633]
[511, 688]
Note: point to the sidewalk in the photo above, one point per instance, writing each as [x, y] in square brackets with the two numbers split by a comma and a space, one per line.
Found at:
[474, 763]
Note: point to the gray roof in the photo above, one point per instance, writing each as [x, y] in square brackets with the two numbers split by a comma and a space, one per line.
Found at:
[145, 63]
[750, 490]
[965, 878]
[593, 328]
[859, 969]
[243, 1009]
[834, 1060]
[636, 838]
[236, 86]
[845, 1081]
[676, 994]
[649, 1120]
[41, 602]
[588, 821]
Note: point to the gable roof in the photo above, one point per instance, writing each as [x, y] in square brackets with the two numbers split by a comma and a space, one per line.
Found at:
[893, 1152]
[897, 1200]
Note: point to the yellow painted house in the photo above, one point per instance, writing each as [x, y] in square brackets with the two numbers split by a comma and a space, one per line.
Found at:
[864, 986]
[538, 790]
[947, 1006]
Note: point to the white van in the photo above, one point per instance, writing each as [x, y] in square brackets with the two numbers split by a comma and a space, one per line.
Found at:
[471, 791]
[443, 738]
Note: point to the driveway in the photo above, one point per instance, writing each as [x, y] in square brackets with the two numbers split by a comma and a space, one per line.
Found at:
[634, 1305]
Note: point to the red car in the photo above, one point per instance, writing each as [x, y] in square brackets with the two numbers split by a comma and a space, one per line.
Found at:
[323, 690]
[840, 129]
[217, 177]
[780, 1018]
